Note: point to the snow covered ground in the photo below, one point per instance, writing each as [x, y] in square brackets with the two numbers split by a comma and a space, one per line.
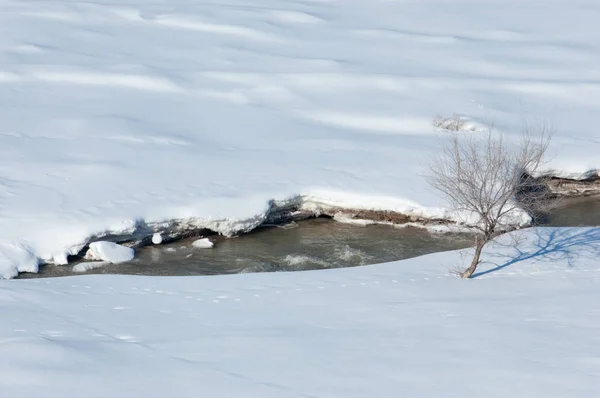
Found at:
[115, 113]
[409, 328]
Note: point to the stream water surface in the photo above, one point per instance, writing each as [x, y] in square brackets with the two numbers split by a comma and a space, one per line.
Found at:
[312, 244]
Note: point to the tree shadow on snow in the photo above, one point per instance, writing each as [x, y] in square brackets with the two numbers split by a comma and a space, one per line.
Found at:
[552, 244]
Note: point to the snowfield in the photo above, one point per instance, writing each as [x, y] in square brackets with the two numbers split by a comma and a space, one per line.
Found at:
[119, 115]
[527, 329]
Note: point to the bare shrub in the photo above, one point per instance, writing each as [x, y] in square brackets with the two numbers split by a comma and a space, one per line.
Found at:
[486, 176]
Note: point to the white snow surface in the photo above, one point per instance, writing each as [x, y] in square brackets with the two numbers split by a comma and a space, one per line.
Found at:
[109, 251]
[408, 328]
[114, 114]
[15, 258]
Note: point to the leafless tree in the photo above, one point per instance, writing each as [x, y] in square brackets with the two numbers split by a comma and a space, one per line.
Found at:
[485, 175]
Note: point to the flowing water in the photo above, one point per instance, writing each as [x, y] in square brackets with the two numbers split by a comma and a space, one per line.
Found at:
[576, 212]
[312, 244]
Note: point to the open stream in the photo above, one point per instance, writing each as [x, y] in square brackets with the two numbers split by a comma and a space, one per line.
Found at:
[312, 244]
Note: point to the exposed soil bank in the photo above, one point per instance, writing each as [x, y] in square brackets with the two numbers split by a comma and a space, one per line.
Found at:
[561, 187]
[278, 214]
[574, 188]
[297, 209]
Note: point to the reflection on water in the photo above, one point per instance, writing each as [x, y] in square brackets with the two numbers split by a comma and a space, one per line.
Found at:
[312, 244]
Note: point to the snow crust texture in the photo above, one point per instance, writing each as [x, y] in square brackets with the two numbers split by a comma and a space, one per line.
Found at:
[118, 115]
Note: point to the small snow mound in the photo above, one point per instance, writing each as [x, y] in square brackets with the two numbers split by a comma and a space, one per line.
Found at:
[203, 243]
[83, 267]
[157, 238]
[109, 251]
[15, 258]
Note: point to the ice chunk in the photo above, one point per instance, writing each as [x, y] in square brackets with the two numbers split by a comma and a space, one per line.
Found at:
[203, 243]
[109, 251]
[83, 267]
[15, 258]
[157, 238]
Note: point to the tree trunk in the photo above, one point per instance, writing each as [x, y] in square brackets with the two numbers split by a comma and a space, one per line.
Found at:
[480, 242]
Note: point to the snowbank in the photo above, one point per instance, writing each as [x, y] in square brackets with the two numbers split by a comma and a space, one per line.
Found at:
[135, 118]
[109, 251]
[527, 329]
[15, 258]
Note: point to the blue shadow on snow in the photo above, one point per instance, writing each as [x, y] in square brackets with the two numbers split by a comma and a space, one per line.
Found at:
[555, 244]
